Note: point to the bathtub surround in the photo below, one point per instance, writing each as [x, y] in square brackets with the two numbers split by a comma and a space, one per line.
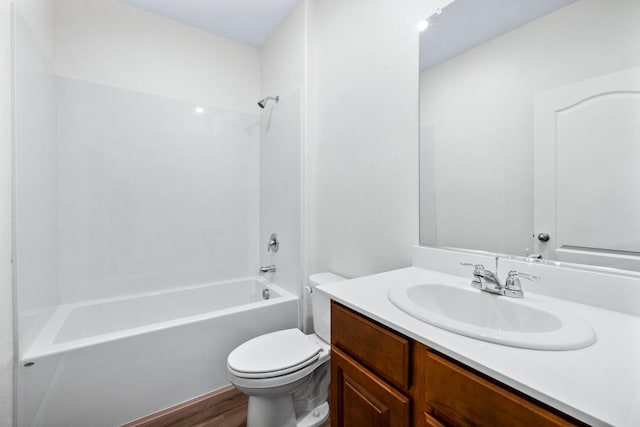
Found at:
[152, 194]
[35, 165]
[35, 249]
[282, 144]
[6, 291]
[280, 187]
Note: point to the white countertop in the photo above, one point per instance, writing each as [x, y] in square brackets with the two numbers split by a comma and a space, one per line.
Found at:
[599, 385]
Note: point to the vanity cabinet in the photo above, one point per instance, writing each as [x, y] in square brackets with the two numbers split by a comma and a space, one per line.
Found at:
[382, 378]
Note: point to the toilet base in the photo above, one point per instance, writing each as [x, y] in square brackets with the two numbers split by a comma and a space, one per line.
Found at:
[316, 417]
[267, 411]
[278, 412]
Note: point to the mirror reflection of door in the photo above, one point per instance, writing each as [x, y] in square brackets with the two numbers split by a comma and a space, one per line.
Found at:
[587, 174]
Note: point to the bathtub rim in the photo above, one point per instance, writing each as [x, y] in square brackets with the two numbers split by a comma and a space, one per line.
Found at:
[43, 345]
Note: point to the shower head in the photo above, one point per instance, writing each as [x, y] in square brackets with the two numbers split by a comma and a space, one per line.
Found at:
[263, 102]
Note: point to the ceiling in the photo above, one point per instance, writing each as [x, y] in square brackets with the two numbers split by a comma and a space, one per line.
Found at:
[253, 21]
[465, 24]
[246, 21]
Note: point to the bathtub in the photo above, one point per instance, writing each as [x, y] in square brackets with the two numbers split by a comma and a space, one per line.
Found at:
[106, 362]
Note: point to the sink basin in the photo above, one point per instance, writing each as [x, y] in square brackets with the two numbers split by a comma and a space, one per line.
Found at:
[508, 321]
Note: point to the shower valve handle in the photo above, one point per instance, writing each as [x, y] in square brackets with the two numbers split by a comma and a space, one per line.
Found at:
[274, 243]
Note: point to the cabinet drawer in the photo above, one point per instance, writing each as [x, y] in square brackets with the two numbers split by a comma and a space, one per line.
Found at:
[455, 396]
[385, 353]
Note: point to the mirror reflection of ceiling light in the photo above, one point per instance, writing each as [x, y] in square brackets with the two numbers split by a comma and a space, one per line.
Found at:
[425, 23]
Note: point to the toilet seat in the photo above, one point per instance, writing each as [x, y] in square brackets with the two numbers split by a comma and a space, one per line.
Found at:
[273, 355]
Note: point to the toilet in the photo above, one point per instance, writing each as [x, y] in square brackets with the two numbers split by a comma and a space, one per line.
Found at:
[286, 373]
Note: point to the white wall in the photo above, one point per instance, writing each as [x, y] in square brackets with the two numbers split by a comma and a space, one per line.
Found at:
[112, 43]
[283, 55]
[364, 151]
[481, 104]
[6, 297]
[281, 145]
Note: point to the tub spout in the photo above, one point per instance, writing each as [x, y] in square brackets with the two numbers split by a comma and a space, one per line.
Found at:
[268, 269]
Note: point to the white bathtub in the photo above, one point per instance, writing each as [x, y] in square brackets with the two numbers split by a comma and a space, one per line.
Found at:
[110, 361]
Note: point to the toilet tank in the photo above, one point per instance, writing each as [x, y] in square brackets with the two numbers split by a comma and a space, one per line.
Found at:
[321, 304]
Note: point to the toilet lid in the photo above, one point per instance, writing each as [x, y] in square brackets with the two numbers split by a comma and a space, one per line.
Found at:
[273, 354]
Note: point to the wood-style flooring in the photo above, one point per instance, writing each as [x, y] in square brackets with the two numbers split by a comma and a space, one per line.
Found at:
[226, 407]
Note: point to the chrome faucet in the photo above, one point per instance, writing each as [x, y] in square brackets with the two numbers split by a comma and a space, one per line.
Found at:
[488, 281]
[268, 269]
[484, 279]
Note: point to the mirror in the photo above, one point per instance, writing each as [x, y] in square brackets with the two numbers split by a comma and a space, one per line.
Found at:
[530, 128]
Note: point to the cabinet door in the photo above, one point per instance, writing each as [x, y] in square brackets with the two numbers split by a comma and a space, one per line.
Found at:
[431, 421]
[359, 398]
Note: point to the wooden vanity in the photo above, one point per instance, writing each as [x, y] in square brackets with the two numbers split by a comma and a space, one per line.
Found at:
[381, 378]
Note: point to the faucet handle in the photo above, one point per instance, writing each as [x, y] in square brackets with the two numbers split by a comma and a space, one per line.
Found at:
[513, 287]
[478, 269]
[524, 275]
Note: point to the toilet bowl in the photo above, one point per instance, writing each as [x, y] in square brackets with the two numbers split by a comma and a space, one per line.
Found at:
[286, 373]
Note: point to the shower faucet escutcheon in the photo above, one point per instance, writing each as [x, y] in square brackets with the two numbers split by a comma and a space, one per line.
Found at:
[274, 243]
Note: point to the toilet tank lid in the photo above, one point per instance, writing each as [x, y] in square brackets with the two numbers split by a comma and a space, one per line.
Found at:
[324, 278]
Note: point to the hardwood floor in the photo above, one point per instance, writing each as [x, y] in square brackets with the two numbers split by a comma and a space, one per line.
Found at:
[226, 407]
